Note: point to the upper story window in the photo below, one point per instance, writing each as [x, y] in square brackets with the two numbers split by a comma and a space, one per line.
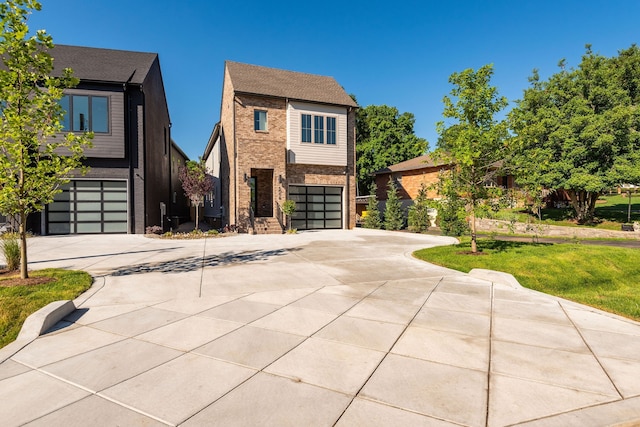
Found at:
[85, 113]
[331, 130]
[318, 136]
[306, 127]
[320, 133]
[260, 120]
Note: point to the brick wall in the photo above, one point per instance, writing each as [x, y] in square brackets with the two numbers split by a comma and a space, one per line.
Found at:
[259, 151]
[409, 183]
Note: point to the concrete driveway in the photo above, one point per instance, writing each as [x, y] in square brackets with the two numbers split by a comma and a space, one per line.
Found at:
[316, 329]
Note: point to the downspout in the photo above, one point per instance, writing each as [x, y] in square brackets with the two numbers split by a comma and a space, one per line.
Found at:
[235, 167]
[144, 156]
[127, 136]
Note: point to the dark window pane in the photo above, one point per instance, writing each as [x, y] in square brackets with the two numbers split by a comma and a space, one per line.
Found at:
[306, 127]
[64, 103]
[331, 130]
[80, 113]
[319, 130]
[99, 114]
[260, 120]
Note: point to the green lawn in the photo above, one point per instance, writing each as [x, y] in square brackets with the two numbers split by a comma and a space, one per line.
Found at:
[610, 211]
[604, 277]
[18, 302]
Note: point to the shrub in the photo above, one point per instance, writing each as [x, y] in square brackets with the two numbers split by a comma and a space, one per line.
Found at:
[11, 250]
[393, 213]
[419, 211]
[153, 229]
[372, 219]
[452, 215]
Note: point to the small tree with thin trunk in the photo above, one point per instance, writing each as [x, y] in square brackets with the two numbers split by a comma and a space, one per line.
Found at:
[288, 209]
[475, 143]
[196, 183]
[35, 159]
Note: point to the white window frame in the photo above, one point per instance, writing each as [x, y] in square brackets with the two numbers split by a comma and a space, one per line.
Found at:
[324, 133]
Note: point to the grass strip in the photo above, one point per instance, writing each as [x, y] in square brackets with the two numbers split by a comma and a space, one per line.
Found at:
[604, 277]
[18, 302]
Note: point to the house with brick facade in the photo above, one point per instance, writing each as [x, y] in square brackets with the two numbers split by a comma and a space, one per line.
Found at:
[409, 176]
[282, 135]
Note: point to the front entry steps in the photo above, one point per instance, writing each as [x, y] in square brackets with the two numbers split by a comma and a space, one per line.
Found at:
[266, 226]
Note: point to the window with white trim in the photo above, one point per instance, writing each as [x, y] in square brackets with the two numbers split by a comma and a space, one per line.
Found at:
[318, 129]
[313, 129]
[306, 127]
[331, 130]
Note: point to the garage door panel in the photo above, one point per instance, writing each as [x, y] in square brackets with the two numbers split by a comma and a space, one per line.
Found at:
[89, 207]
[317, 207]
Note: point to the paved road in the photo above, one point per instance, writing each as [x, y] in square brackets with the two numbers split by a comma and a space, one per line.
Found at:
[317, 329]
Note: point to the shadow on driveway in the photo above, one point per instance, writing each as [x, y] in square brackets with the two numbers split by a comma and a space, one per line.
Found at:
[185, 265]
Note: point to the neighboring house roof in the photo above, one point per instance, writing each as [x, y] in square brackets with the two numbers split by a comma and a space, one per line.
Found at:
[420, 162]
[257, 80]
[178, 149]
[212, 141]
[103, 65]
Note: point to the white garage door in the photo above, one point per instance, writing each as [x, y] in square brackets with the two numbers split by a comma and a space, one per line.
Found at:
[316, 207]
[89, 207]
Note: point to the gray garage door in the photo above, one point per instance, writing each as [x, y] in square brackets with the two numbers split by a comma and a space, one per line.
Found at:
[89, 207]
[316, 207]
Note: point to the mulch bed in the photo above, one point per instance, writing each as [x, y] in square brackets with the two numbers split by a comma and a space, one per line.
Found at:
[12, 278]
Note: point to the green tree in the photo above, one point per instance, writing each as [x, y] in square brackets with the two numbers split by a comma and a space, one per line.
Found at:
[474, 142]
[393, 213]
[578, 131]
[372, 220]
[196, 183]
[384, 137]
[35, 158]
[452, 212]
[419, 211]
[288, 208]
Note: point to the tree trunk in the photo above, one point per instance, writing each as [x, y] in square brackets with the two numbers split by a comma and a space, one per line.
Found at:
[24, 274]
[474, 243]
[197, 209]
[584, 204]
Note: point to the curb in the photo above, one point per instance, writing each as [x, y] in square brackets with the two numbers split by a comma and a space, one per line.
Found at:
[496, 277]
[37, 323]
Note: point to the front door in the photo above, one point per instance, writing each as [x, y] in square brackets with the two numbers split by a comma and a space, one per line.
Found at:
[262, 192]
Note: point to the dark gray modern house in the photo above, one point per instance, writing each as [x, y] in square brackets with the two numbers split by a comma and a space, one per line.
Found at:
[129, 186]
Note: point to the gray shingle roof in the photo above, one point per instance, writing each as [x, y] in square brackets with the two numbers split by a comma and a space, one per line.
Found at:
[254, 79]
[103, 65]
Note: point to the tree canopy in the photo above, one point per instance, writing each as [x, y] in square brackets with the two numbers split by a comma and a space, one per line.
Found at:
[474, 141]
[578, 131]
[35, 158]
[384, 137]
[197, 182]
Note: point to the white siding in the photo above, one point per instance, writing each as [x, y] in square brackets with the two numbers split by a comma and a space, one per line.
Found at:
[213, 164]
[312, 153]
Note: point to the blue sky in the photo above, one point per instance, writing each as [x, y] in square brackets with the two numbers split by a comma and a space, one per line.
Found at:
[396, 53]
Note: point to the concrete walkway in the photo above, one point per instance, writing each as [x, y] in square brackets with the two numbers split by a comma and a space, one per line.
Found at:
[317, 329]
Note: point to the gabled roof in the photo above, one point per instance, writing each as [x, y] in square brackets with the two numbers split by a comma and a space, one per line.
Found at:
[103, 65]
[421, 162]
[257, 80]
